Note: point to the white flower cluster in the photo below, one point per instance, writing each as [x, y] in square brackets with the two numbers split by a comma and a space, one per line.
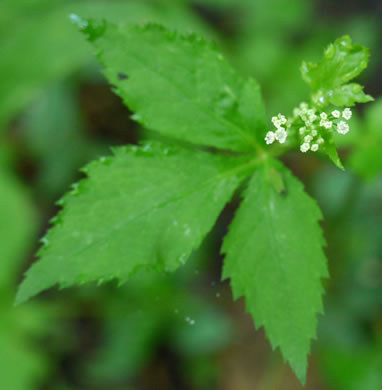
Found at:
[310, 134]
[312, 127]
[280, 134]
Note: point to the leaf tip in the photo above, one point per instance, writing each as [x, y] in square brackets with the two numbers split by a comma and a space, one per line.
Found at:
[301, 375]
[21, 296]
[299, 367]
[338, 164]
[30, 286]
[91, 28]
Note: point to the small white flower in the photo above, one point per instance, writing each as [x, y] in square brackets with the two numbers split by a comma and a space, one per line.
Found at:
[276, 121]
[336, 113]
[324, 115]
[304, 147]
[312, 115]
[346, 113]
[302, 130]
[314, 148]
[342, 127]
[325, 123]
[270, 137]
[281, 135]
[308, 138]
[314, 133]
[320, 141]
[282, 119]
[304, 107]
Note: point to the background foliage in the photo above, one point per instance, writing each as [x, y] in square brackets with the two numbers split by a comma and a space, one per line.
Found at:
[182, 331]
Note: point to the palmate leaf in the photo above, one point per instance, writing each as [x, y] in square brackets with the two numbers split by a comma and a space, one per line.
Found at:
[329, 79]
[150, 206]
[274, 258]
[147, 206]
[179, 85]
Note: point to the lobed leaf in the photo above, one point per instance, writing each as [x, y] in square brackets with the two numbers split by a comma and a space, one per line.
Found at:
[147, 206]
[274, 258]
[329, 78]
[179, 85]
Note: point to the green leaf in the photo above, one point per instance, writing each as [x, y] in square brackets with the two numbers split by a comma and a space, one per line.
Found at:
[348, 95]
[329, 79]
[145, 207]
[179, 85]
[274, 258]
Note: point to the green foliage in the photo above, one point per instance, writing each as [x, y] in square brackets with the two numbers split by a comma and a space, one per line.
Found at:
[141, 195]
[149, 207]
[329, 79]
[274, 259]
[205, 103]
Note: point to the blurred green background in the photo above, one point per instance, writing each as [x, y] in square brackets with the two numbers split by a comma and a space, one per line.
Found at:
[181, 331]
